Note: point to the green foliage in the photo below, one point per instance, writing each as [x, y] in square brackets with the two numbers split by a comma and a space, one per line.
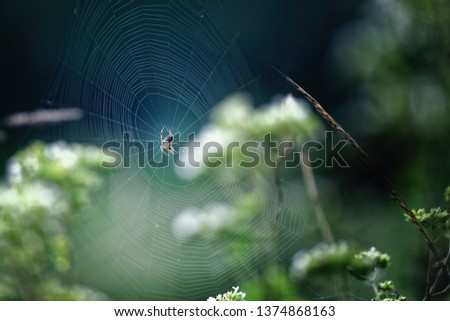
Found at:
[46, 187]
[272, 284]
[437, 220]
[385, 291]
[400, 94]
[284, 118]
[234, 295]
[437, 223]
[398, 57]
[365, 267]
[402, 83]
[226, 224]
[73, 169]
[328, 261]
[323, 260]
[434, 218]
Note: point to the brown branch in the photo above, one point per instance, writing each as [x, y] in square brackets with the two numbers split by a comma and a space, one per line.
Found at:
[442, 291]
[431, 292]
[395, 195]
[430, 263]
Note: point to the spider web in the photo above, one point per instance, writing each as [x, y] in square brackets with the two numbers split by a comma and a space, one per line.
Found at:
[136, 66]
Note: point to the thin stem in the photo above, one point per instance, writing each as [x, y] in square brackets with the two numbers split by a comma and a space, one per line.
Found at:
[374, 284]
[430, 263]
[343, 287]
[311, 188]
[431, 293]
[441, 292]
[375, 289]
[322, 222]
[365, 159]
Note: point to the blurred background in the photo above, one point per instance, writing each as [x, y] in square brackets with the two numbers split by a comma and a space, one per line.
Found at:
[380, 67]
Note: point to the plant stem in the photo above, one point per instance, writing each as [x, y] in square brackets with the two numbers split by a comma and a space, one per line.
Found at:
[322, 222]
[431, 293]
[442, 291]
[311, 188]
[430, 263]
[375, 289]
[374, 284]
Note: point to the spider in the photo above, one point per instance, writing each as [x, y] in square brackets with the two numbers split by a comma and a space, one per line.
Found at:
[167, 143]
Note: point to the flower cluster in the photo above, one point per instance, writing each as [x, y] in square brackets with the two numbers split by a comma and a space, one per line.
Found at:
[236, 121]
[46, 186]
[365, 263]
[436, 219]
[385, 291]
[234, 295]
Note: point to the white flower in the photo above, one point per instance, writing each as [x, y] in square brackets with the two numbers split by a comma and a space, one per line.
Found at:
[300, 263]
[14, 172]
[293, 108]
[34, 196]
[288, 110]
[209, 134]
[62, 154]
[234, 295]
[235, 112]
